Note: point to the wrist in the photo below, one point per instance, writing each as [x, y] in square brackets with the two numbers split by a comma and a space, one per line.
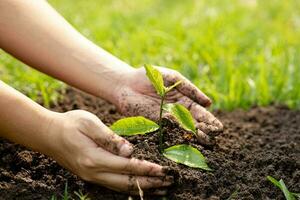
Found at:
[117, 79]
[50, 130]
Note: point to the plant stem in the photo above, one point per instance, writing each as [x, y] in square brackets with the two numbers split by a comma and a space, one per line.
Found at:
[160, 124]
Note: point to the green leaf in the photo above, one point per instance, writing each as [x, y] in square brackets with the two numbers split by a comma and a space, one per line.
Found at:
[182, 115]
[53, 197]
[168, 89]
[66, 193]
[281, 185]
[187, 155]
[156, 79]
[288, 195]
[297, 195]
[274, 181]
[134, 126]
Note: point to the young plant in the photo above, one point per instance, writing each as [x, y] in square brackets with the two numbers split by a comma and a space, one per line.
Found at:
[67, 196]
[281, 185]
[157, 81]
[82, 196]
[184, 154]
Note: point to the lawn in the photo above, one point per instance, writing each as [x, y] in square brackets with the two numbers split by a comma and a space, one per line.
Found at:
[239, 52]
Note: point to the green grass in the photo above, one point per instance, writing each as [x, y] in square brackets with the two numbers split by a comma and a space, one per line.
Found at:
[237, 52]
[66, 195]
[37, 86]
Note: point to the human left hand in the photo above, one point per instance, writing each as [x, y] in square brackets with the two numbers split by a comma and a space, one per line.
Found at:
[137, 96]
[81, 143]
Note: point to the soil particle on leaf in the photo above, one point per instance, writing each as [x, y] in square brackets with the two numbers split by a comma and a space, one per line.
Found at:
[260, 142]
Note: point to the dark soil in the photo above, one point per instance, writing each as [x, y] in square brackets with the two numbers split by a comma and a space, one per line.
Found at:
[260, 142]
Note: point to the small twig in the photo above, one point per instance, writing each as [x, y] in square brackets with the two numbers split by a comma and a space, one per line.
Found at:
[141, 193]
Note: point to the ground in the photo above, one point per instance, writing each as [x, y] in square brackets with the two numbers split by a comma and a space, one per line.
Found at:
[256, 143]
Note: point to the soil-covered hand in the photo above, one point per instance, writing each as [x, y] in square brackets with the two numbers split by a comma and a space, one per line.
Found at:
[84, 145]
[138, 97]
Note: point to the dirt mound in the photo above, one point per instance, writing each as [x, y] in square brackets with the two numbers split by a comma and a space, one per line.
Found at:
[257, 143]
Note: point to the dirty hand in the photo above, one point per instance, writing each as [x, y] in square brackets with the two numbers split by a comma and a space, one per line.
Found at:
[84, 145]
[138, 97]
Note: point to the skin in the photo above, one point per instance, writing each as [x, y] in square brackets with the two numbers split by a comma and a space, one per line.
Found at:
[79, 141]
[36, 34]
[138, 97]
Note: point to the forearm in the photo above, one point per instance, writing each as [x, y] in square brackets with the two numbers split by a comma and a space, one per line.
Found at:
[36, 34]
[22, 120]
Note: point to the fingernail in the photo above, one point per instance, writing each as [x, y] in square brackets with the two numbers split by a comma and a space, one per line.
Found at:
[220, 126]
[204, 139]
[207, 103]
[167, 183]
[126, 149]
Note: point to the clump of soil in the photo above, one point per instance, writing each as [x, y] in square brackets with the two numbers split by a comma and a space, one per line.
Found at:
[257, 143]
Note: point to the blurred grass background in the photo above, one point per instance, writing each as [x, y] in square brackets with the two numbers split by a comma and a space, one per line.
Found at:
[239, 52]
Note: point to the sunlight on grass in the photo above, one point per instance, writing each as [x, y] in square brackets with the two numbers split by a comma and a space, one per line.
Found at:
[240, 52]
[37, 86]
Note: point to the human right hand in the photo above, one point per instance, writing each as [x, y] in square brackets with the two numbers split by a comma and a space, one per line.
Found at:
[84, 145]
[137, 96]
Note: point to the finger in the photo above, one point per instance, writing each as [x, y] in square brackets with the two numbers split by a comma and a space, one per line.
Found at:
[186, 101]
[204, 139]
[130, 165]
[114, 143]
[107, 139]
[206, 121]
[128, 183]
[187, 88]
[209, 129]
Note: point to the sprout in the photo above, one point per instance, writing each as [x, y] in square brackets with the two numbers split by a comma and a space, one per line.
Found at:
[184, 154]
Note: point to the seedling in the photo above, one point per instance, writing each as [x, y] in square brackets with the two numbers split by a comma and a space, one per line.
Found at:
[157, 81]
[184, 154]
[82, 196]
[281, 185]
[67, 196]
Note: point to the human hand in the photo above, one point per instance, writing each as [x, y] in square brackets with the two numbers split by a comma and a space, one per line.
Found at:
[85, 146]
[138, 97]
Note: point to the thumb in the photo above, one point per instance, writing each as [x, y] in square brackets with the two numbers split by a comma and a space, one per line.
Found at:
[112, 142]
[106, 138]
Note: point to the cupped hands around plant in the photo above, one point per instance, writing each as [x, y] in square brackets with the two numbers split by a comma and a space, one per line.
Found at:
[137, 97]
[85, 146]
[184, 153]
